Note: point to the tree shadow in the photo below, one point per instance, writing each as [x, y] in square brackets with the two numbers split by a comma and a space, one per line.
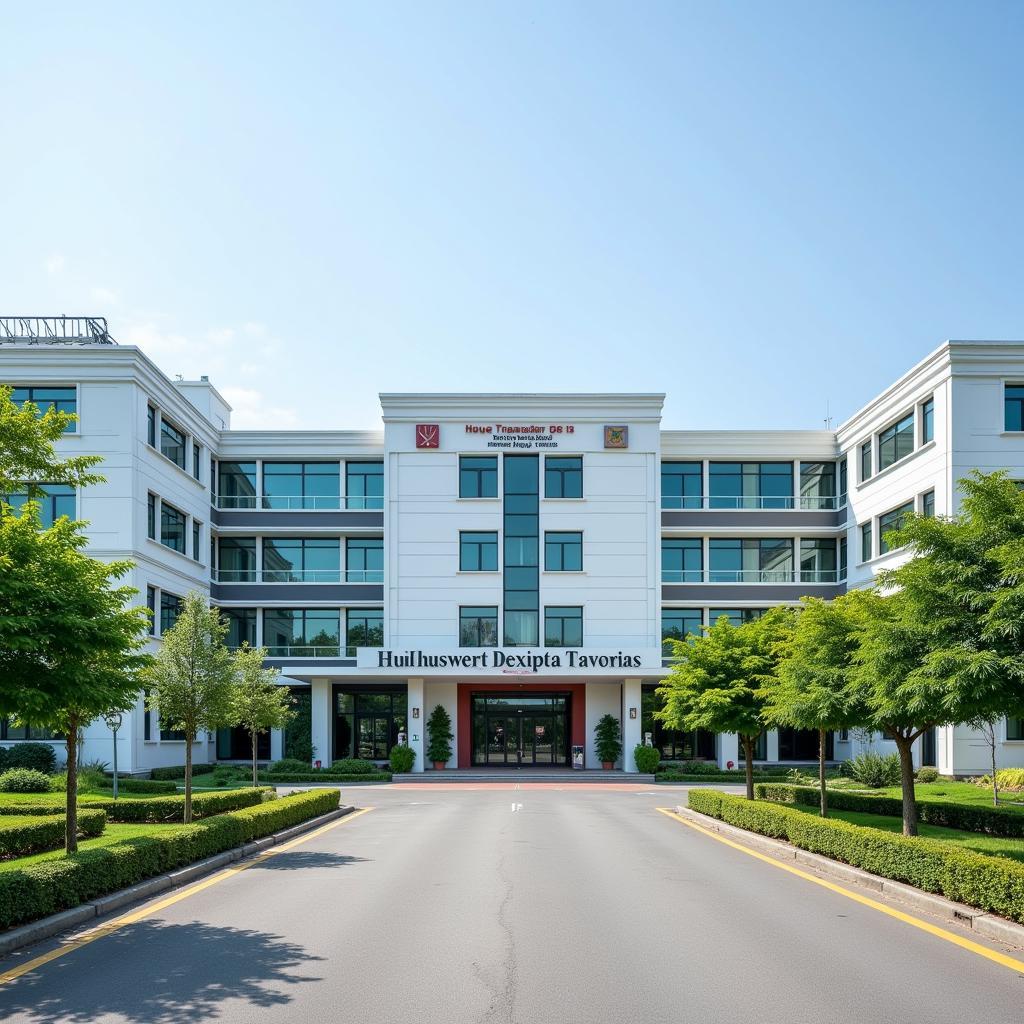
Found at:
[158, 973]
[292, 860]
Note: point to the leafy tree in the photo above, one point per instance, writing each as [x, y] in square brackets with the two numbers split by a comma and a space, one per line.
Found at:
[439, 729]
[192, 679]
[259, 701]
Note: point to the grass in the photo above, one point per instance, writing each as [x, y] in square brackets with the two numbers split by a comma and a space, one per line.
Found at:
[112, 835]
[957, 792]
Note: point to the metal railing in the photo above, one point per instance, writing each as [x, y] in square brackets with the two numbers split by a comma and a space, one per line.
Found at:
[299, 502]
[752, 576]
[298, 576]
[55, 330]
[804, 502]
[312, 651]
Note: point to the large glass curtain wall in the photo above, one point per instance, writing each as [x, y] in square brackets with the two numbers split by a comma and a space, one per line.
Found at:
[672, 744]
[750, 484]
[301, 560]
[236, 485]
[682, 485]
[367, 722]
[236, 559]
[766, 560]
[817, 485]
[364, 485]
[301, 632]
[364, 560]
[301, 485]
[817, 560]
[522, 551]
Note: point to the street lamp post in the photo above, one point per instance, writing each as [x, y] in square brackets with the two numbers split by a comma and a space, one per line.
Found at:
[113, 721]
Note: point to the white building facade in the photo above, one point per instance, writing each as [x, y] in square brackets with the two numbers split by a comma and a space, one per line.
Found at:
[515, 558]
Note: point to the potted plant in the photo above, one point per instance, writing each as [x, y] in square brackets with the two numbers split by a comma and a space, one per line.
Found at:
[607, 740]
[439, 733]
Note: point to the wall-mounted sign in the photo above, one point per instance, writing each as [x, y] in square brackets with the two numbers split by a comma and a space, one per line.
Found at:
[616, 437]
[428, 435]
[520, 660]
[521, 435]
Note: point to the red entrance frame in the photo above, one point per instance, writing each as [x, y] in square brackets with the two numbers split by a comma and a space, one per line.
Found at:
[578, 713]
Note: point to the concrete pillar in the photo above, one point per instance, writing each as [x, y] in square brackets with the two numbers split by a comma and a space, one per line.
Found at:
[417, 726]
[631, 727]
[772, 746]
[728, 749]
[322, 722]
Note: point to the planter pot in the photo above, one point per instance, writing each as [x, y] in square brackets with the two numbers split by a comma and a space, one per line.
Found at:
[607, 765]
[439, 766]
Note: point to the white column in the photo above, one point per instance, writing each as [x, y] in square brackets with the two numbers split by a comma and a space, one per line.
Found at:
[728, 749]
[772, 746]
[276, 744]
[321, 720]
[417, 726]
[631, 734]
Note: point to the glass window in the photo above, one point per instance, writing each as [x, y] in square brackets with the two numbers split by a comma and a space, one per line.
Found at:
[46, 398]
[736, 616]
[197, 530]
[301, 560]
[891, 521]
[364, 628]
[682, 484]
[478, 627]
[172, 527]
[151, 517]
[682, 560]
[478, 552]
[151, 605]
[364, 485]
[928, 504]
[236, 559]
[843, 481]
[197, 465]
[172, 442]
[303, 632]
[817, 485]
[842, 558]
[151, 426]
[749, 560]
[563, 476]
[241, 626]
[563, 627]
[927, 420]
[865, 461]
[896, 442]
[236, 484]
[1015, 728]
[865, 542]
[170, 609]
[478, 476]
[1013, 407]
[364, 559]
[563, 552]
[750, 484]
[54, 501]
[679, 624]
[817, 560]
[521, 578]
[314, 485]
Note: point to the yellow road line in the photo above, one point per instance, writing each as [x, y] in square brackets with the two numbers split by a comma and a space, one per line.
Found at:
[152, 908]
[916, 922]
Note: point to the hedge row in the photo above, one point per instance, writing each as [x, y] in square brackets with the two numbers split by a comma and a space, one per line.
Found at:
[47, 833]
[54, 808]
[177, 771]
[989, 883]
[736, 777]
[144, 786]
[323, 776]
[158, 809]
[47, 887]
[993, 821]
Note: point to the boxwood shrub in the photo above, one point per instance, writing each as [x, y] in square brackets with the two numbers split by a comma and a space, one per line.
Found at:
[24, 780]
[989, 883]
[39, 756]
[142, 786]
[160, 809]
[353, 766]
[993, 821]
[178, 771]
[47, 833]
[286, 778]
[39, 889]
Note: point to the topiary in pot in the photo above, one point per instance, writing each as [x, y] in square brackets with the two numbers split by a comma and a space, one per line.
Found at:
[439, 733]
[607, 740]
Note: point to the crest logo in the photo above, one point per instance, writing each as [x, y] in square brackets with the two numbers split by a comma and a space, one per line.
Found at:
[428, 435]
[616, 437]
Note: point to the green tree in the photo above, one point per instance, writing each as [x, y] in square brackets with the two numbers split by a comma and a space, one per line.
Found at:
[192, 678]
[260, 702]
[439, 731]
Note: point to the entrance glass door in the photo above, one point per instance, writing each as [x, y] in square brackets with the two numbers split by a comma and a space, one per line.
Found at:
[520, 731]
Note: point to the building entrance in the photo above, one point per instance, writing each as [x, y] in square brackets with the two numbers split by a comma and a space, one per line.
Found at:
[518, 731]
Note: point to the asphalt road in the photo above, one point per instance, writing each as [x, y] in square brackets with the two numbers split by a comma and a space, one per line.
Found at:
[448, 905]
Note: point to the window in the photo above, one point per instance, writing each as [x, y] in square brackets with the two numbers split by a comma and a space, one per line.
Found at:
[478, 476]
[928, 504]
[679, 624]
[478, 552]
[147, 715]
[1015, 728]
[197, 466]
[301, 560]
[891, 521]
[842, 558]
[750, 484]
[563, 627]
[367, 723]
[1013, 407]
[151, 605]
[682, 484]
[151, 517]
[896, 442]
[313, 485]
[563, 476]
[817, 485]
[521, 580]
[769, 560]
[172, 443]
[682, 560]
[563, 552]
[241, 626]
[843, 481]
[46, 398]
[817, 560]
[927, 420]
[865, 542]
[865, 461]
[302, 632]
[736, 616]
[478, 627]
[364, 485]
[54, 501]
[172, 734]
[236, 484]
[170, 609]
[172, 527]
[197, 531]
[151, 426]
[365, 628]
[236, 560]
[364, 559]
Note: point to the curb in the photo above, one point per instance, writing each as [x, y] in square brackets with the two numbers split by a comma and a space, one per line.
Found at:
[991, 926]
[45, 927]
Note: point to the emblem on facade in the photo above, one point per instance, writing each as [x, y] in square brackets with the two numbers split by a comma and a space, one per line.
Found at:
[428, 435]
[616, 437]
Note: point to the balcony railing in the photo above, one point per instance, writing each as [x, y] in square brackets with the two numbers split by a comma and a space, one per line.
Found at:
[299, 502]
[752, 576]
[804, 502]
[299, 576]
[311, 651]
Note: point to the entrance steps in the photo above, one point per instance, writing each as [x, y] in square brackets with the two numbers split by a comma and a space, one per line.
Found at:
[564, 775]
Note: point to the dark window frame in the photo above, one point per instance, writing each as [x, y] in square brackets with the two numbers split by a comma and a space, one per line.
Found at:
[684, 499]
[21, 393]
[174, 438]
[472, 617]
[557, 543]
[170, 610]
[479, 474]
[560, 615]
[167, 514]
[368, 499]
[473, 549]
[892, 520]
[928, 420]
[1013, 407]
[683, 573]
[562, 473]
[892, 441]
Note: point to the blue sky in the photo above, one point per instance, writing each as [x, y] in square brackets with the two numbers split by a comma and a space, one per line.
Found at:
[757, 208]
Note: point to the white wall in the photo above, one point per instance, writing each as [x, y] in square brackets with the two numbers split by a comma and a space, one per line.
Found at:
[602, 699]
[447, 695]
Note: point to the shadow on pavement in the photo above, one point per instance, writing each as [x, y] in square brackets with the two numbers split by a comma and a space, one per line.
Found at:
[295, 859]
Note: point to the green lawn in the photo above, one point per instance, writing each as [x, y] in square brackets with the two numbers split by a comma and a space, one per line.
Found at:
[958, 792]
[112, 835]
[89, 796]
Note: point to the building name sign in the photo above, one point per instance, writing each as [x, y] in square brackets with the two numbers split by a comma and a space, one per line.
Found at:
[521, 435]
[509, 661]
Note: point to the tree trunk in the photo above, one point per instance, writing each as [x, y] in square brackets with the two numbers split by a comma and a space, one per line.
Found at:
[71, 794]
[905, 746]
[255, 772]
[748, 746]
[995, 780]
[187, 816]
[821, 772]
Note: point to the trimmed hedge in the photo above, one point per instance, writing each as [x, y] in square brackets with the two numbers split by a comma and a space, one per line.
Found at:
[178, 771]
[47, 833]
[993, 821]
[160, 809]
[31, 809]
[27, 754]
[323, 776]
[24, 780]
[988, 883]
[47, 887]
[736, 777]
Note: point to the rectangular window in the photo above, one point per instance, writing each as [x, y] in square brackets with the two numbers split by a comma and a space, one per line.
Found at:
[928, 504]
[151, 605]
[748, 560]
[679, 624]
[682, 560]
[301, 632]
[817, 485]
[151, 517]
[147, 715]
[866, 542]
[1013, 407]
[54, 501]
[236, 484]
[896, 442]
[150, 426]
[241, 626]
[478, 552]
[364, 628]
[197, 532]
[364, 485]
[478, 476]
[891, 521]
[172, 527]
[927, 420]
[563, 552]
[478, 627]
[842, 558]
[1015, 728]
[301, 559]
[563, 476]
[817, 560]
[563, 627]
[736, 616]
[197, 465]
[865, 461]
[364, 560]
[236, 560]
[10, 731]
[170, 609]
[172, 442]
[750, 484]
[45, 398]
[172, 734]
[521, 580]
[843, 482]
[311, 485]
[682, 484]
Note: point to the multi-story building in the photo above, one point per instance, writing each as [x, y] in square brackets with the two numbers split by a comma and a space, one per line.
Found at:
[516, 558]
